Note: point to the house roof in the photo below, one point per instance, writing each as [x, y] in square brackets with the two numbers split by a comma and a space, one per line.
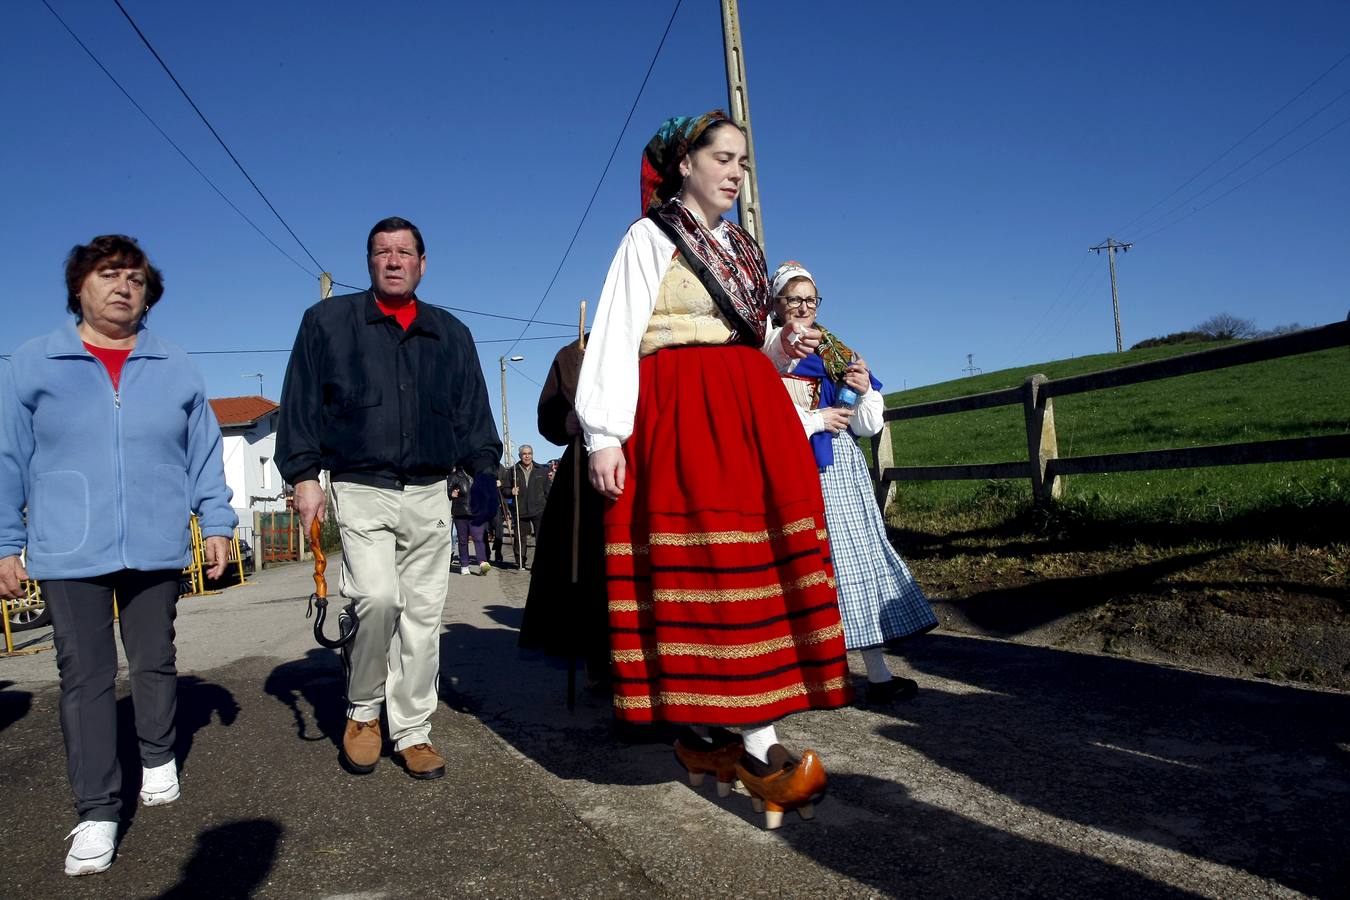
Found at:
[241, 410]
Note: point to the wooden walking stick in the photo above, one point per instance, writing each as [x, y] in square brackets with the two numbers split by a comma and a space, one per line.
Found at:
[576, 520]
[348, 622]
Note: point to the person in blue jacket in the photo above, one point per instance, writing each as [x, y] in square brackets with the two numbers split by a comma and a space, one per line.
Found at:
[108, 443]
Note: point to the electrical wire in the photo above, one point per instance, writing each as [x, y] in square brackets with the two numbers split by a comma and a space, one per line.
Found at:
[608, 162]
[521, 372]
[547, 337]
[214, 133]
[1215, 161]
[175, 146]
[472, 312]
[1341, 124]
[1248, 161]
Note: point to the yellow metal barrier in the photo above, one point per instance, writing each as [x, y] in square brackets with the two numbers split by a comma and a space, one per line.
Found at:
[32, 599]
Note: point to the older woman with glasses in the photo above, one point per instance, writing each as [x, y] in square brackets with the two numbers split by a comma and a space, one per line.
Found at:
[837, 397]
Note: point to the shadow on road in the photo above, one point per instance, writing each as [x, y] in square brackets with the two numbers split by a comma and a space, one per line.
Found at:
[14, 705]
[199, 702]
[317, 681]
[521, 695]
[1251, 776]
[229, 861]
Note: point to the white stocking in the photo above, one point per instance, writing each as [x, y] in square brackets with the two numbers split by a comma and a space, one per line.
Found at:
[758, 741]
[875, 658]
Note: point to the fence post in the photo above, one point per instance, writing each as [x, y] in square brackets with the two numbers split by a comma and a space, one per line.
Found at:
[259, 544]
[882, 459]
[1039, 411]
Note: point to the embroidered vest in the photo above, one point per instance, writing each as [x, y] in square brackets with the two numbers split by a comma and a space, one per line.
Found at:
[684, 313]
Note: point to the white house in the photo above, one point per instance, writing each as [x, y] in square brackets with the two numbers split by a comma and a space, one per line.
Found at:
[249, 425]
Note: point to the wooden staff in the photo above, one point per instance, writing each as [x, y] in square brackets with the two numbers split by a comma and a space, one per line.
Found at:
[576, 520]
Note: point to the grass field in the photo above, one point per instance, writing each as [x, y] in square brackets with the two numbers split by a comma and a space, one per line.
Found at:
[1290, 397]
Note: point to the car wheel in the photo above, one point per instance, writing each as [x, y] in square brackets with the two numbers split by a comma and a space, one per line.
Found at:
[26, 618]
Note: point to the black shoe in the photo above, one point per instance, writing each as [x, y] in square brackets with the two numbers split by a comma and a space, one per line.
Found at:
[891, 691]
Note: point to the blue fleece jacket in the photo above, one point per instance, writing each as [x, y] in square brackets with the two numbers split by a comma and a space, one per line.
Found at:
[109, 478]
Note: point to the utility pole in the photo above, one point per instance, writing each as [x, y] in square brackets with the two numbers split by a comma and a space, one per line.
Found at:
[1111, 246]
[325, 285]
[971, 368]
[506, 420]
[738, 99]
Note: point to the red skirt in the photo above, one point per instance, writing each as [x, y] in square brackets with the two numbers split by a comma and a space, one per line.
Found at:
[722, 604]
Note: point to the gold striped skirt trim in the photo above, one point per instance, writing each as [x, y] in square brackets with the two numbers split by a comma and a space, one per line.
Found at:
[682, 698]
[711, 538]
[734, 595]
[729, 651]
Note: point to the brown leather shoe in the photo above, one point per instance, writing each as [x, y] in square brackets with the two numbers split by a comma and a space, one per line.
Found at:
[361, 746]
[421, 761]
[784, 783]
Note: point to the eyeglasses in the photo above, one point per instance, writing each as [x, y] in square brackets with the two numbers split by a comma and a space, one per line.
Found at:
[798, 302]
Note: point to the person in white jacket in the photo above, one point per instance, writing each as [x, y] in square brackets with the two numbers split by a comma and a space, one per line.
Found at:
[837, 397]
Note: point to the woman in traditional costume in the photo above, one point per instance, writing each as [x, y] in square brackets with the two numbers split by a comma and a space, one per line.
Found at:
[879, 600]
[721, 597]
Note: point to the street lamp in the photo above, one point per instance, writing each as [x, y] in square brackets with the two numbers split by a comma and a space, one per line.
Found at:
[257, 375]
[506, 421]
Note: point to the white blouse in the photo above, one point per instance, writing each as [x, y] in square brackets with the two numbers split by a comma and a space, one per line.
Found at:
[866, 420]
[607, 389]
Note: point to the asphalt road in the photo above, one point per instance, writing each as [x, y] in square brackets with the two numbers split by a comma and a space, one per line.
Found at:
[1019, 771]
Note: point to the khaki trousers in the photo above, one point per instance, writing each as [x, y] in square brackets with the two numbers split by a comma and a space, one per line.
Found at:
[396, 568]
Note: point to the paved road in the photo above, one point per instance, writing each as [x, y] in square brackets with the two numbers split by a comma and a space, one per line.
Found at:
[1019, 771]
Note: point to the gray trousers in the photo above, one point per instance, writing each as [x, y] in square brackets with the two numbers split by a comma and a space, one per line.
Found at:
[86, 656]
[396, 568]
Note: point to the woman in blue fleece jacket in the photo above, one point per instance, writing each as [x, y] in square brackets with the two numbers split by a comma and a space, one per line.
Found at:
[108, 442]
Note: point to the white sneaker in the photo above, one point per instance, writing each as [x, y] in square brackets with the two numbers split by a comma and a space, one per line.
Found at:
[92, 851]
[464, 570]
[159, 785]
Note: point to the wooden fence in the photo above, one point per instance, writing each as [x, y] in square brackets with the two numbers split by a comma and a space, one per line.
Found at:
[1046, 469]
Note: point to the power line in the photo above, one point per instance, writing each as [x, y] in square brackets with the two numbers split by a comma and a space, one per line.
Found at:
[547, 337]
[596, 192]
[521, 372]
[214, 133]
[166, 137]
[1249, 160]
[473, 312]
[1341, 124]
[1209, 165]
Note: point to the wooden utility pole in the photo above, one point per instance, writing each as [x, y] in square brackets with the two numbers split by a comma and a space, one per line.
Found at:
[1111, 246]
[325, 285]
[738, 99]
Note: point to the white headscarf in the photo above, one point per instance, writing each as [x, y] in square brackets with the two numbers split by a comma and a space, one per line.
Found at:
[786, 272]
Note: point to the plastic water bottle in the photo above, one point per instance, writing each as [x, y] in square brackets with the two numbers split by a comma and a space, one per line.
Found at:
[847, 397]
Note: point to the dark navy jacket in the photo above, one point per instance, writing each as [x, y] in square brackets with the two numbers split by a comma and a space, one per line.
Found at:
[376, 405]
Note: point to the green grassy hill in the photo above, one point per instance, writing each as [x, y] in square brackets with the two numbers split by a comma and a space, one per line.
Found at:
[1290, 397]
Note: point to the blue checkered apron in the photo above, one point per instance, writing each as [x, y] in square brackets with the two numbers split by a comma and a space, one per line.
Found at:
[879, 600]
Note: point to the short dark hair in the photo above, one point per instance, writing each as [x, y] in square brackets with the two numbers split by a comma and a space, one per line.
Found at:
[109, 251]
[390, 225]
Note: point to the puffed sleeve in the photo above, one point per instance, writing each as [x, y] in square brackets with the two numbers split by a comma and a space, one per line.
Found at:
[607, 389]
[867, 418]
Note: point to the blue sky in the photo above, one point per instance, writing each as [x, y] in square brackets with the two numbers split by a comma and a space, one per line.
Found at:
[942, 168]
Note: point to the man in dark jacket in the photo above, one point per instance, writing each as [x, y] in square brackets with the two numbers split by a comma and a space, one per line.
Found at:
[529, 485]
[385, 393]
